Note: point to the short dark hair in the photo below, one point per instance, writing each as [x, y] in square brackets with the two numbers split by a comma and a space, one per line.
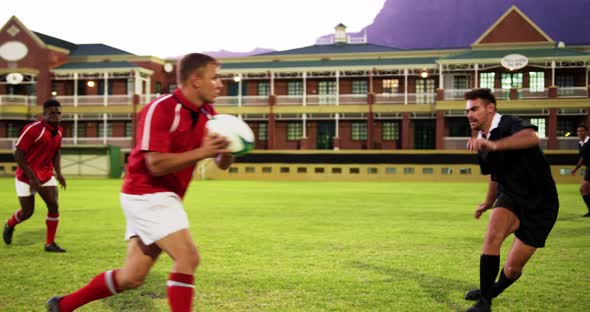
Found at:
[582, 126]
[51, 103]
[485, 94]
[192, 62]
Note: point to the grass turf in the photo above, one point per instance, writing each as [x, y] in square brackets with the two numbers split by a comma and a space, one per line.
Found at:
[299, 246]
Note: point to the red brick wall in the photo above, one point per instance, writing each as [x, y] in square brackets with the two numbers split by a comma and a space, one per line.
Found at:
[345, 86]
[251, 87]
[118, 129]
[281, 141]
[281, 86]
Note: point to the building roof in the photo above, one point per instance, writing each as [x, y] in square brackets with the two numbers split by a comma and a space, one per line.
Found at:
[97, 49]
[331, 63]
[335, 48]
[529, 53]
[56, 42]
[95, 65]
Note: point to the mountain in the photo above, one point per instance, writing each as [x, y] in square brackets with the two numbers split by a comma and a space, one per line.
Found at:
[440, 24]
[227, 54]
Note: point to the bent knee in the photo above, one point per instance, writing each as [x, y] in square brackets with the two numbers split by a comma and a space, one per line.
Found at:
[189, 261]
[512, 271]
[130, 282]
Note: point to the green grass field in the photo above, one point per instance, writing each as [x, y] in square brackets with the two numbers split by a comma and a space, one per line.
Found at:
[299, 246]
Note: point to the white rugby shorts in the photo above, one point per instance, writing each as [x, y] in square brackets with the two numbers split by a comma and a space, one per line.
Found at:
[24, 190]
[153, 216]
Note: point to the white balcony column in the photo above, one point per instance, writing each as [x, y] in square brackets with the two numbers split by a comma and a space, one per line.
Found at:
[304, 88]
[75, 89]
[440, 77]
[304, 120]
[75, 130]
[137, 83]
[148, 88]
[240, 90]
[405, 86]
[272, 83]
[476, 67]
[337, 87]
[106, 89]
[552, 73]
[104, 124]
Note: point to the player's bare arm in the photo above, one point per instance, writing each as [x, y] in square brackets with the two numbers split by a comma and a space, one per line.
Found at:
[223, 161]
[578, 165]
[57, 169]
[489, 200]
[21, 160]
[520, 140]
[161, 164]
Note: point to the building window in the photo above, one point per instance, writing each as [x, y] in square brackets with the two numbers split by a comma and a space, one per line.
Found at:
[566, 127]
[540, 123]
[294, 88]
[359, 130]
[13, 130]
[171, 87]
[511, 80]
[564, 84]
[390, 131]
[100, 129]
[263, 88]
[262, 131]
[326, 92]
[461, 82]
[486, 80]
[537, 81]
[128, 129]
[458, 127]
[294, 131]
[425, 92]
[359, 87]
[390, 86]
[81, 130]
[158, 87]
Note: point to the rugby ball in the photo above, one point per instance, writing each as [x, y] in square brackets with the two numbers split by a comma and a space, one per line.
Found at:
[235, 130]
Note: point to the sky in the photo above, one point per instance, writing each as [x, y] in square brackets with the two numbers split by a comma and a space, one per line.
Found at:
[175, 27]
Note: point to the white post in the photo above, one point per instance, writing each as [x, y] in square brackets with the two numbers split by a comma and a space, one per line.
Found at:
[240, 90]
[304, 88]
[272, 83]
[137, 83]
[476, 67]
[75, 129]
[105, 92]
[304, 135]
[552, 73]
[440, 77]
[405, 86]
[337, 87]
[75, 90]
[104, 124]
[148, 88]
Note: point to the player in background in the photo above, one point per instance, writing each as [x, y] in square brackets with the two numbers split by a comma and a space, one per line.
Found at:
[38, 156]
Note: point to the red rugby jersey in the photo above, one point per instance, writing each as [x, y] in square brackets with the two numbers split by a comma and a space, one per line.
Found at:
[39, 141]
[165, 125]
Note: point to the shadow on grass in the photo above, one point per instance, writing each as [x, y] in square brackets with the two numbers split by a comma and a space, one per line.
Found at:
[439, 288]
[28, 238]
[141, 299]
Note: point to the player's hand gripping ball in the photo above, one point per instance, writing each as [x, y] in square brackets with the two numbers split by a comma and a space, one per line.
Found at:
[235, 130]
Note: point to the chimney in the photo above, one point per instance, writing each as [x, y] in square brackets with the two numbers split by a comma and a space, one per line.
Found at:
[340, 36]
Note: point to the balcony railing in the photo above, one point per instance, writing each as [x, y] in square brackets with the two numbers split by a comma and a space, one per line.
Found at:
[533, 94]
[24, 100]
[94, 100]
[328, 99]
[353, 99]
[572, 92]
[289, 100]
